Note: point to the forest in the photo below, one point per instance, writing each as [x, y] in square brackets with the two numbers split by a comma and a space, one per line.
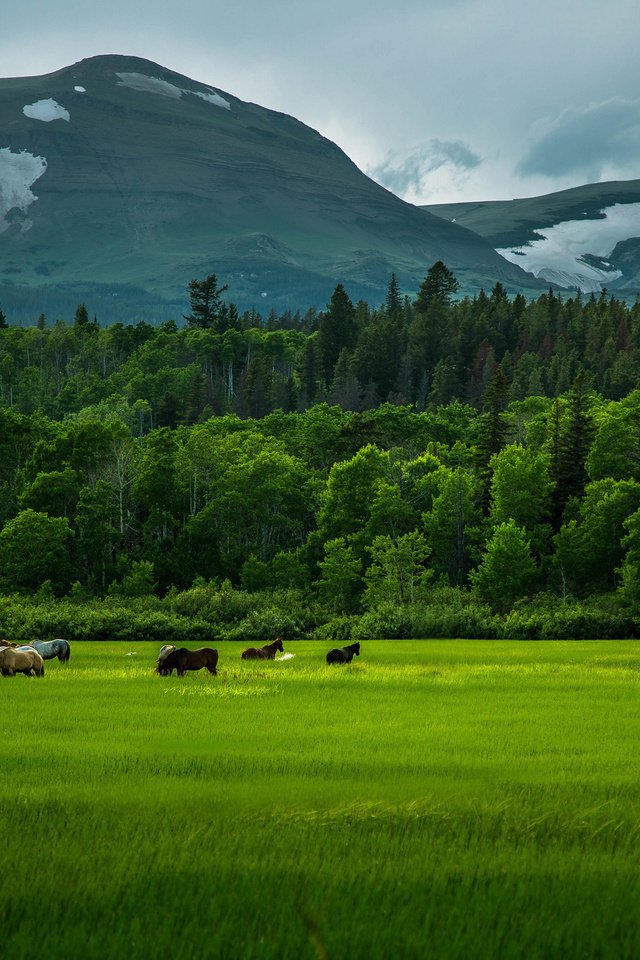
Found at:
[428, 467]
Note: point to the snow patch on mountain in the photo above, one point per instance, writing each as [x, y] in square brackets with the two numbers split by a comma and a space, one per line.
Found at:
[211, 97]
[46, 110]
[80, 89]
[18, 172]
[144, 84]
[562, 253]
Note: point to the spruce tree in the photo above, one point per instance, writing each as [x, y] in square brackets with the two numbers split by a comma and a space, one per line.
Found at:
[493, 431]
[338, 330]
[572, 446]
[393, 301]
[439, 286]
[206, 303]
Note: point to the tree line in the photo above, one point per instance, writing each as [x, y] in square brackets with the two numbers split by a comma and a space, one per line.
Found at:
[424, 352]
[364, 514]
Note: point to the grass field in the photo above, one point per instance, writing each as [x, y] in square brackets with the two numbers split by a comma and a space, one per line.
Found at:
[434, 799]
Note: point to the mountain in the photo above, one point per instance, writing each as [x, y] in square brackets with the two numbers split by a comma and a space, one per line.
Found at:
[586, 237]
[121, 181]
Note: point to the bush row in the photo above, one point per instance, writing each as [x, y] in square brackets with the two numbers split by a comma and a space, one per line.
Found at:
[204, 616]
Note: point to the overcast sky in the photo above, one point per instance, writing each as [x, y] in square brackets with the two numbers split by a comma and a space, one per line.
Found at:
[439, 100]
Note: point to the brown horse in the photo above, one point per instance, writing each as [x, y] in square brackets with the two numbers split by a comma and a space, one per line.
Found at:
[182, 660]
[14, 661]
[268, 652]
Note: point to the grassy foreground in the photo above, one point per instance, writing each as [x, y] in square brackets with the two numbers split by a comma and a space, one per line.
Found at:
[459, 799]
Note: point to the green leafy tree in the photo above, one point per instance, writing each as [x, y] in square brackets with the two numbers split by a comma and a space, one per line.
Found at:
[452, 523]
[521, 491]
[345, 503]
[54, 492]
[397, 573]
[96, 534]
[588, 547]
[34, 547]
[507, 571]
[629, 589]
[340, 582]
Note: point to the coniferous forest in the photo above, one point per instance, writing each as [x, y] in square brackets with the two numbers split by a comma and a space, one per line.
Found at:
[427, 467]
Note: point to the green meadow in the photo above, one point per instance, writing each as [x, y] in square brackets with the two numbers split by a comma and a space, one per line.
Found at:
[434, 799]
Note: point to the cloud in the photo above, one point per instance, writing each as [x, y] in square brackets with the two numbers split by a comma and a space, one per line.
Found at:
[586, 141]
[408, 174]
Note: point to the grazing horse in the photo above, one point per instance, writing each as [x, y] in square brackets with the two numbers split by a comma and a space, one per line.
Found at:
[162, 656]
[14, 661]
[50, 649]
[343, 654]
[182, 660]
[268, 652]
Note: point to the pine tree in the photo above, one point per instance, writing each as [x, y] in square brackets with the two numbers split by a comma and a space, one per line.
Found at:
[206, 303]
[493, 431]
[439, 286]
[82, 316]
[338, 330]
[572, 446]
[393, 301]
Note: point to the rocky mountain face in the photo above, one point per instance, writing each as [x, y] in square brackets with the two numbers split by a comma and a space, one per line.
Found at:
[120, 181]
[587, 237]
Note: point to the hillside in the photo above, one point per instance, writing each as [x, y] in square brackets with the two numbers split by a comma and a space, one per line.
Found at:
[588, 236]
[120, 181]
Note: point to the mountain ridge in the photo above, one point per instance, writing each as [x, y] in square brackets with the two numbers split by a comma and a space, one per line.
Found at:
[583, 236]
[155, 178]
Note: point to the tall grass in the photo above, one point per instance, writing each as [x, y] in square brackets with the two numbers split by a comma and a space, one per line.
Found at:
[432, 799]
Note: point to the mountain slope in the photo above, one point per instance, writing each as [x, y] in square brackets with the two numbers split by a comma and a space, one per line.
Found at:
[120, 181]
[587, 236]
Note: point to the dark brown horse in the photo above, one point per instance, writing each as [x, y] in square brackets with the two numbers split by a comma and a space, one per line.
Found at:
[268, 652]
[182, 660]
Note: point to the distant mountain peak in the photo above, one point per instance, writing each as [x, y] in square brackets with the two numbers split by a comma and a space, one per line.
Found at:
[121, 180]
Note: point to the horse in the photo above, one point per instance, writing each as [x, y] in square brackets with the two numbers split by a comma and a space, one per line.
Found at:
[14, 661]
[50, 649]
[343, 654]
[162, 656]
[183, 659]
[268, 652]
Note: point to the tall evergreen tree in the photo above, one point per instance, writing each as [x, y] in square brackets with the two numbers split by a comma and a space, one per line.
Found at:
[205, 298]
[439, 285]
[338, 330]
[493, 431]
[573, 445]
[81, 318]
[393, 301]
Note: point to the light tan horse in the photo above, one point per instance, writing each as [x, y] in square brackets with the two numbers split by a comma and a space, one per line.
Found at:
[14, 661]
